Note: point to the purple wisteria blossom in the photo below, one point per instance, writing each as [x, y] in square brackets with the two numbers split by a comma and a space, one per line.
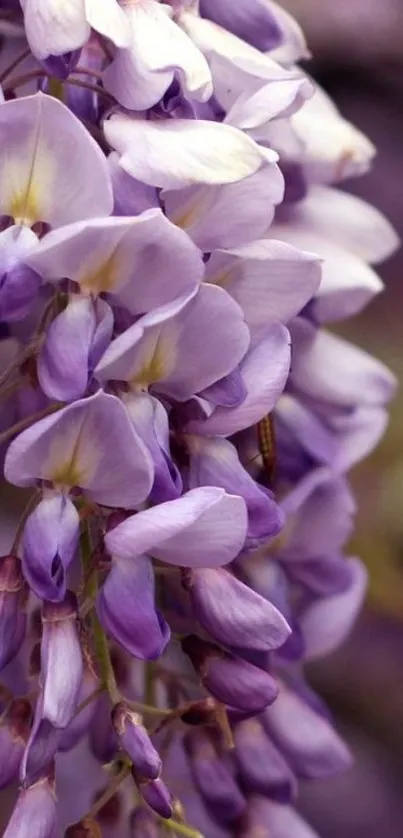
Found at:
[178, 414]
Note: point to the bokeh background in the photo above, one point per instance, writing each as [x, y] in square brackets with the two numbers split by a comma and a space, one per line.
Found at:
[358, 58]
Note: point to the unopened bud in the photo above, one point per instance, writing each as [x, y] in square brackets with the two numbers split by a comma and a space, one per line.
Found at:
[134, 739]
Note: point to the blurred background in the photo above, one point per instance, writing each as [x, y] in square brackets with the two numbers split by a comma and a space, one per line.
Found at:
[358, 58]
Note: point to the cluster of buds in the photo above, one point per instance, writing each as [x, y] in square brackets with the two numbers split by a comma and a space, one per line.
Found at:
[172, 248]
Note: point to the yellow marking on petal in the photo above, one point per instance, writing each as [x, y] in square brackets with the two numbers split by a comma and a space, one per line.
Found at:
[186, 216]
[27, 179]
[222, 279]
[72, 462]
[104, 277]
[158, 362]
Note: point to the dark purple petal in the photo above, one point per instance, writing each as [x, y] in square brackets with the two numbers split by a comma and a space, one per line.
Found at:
[15, 724]
[213, 777]
[233, 613]
[157, 796]
[262, 767]
[134, 739]
[127, 610]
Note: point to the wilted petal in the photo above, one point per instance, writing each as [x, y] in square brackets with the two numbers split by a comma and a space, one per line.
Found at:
[328, 620]
[14, 731]
[229, 215]
[91, 444]
[143, 262]
[204, 528]
[307, 739]
[51, 168]
[262, 767]
[134, 739]
[35, 812]
[173, 153]
[50, 543]
[126, 607]
[265, 370]
[13, 608]
[270, 280]
[233, 613]
[158, 52]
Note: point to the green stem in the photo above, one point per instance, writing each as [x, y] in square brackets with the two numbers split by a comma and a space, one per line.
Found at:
[180, 828]
[149, 684]
[56, 89]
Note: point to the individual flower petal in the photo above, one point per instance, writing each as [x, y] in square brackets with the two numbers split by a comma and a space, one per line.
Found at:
[348, 283]
[81, 721]
[357, 433]
[173, 153]
[159, 51]
[19, 284]
[91, 444]
[233, 613]
[215, 462]
[143, 262]
[253, 110]
[35, 812]
[310, 744]
[51, 168]
[270, 280]
[213, 778]
[134, 739]
[346, 220]
[328, 620]
[41, 747]
[265, 370]
[204, 528]
[130, 196]
[53, 30]
[13, 614]
[274, 820]
[229, 679]
[229, 215]
[150, 420]
[126, 607]
[157, 796]
[14, 731]
[61, 661]
[50, 543]
[174, 357]
[82, 331]
[328, 368]
[262, 767]
[254, 21]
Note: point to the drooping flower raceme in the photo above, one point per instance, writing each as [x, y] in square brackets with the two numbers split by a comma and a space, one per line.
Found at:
[173, 250]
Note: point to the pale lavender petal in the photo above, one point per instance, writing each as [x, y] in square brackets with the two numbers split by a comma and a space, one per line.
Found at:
[159, 51]
[253, 21]
[270, 280]
[53, 170]
[230, 215]
[69, 335]
[326, 623]
[265, 370]
[274, 820]
[91, 444]
[130, 196]
[61, 661]
[173, 153]
[150, 420]
[328, 368]
[19, 284]
[35, 812]
[204, 528]
[126, 608]
[143, 262]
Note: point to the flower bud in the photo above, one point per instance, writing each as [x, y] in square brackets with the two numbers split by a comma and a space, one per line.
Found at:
[156, 795]
[13, 601]
[134, 739]
[231, 680]
[14, 732]
[214, 778]
[35, 812]
[262, 768]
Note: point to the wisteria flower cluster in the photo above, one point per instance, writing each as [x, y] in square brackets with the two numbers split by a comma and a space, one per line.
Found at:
[172, 251]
